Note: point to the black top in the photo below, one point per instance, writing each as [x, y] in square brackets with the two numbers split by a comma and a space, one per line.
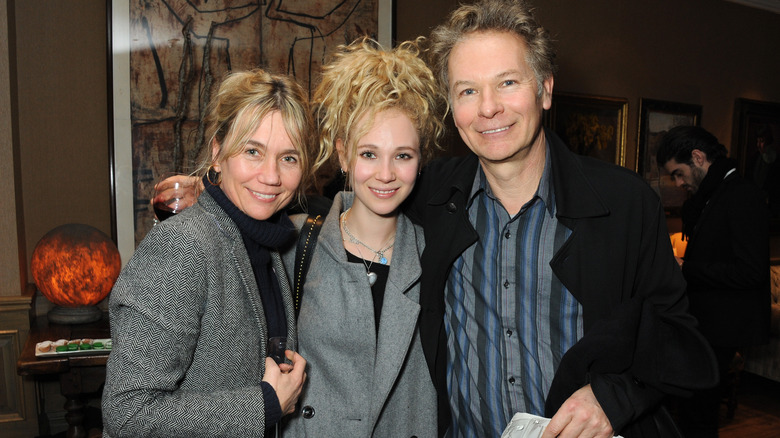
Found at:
[378, 289]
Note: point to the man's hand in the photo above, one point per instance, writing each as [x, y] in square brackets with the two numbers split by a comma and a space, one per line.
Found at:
[192, 183]
[580, 416]
[188, 188]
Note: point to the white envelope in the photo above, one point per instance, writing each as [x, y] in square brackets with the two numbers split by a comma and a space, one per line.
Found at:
[525, 425]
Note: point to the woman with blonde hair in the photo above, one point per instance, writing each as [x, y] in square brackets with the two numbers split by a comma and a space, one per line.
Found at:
[192, 312]
[358, 317]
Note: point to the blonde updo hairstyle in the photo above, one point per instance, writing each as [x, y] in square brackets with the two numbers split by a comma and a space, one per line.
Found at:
[363, 79]
[244, 99]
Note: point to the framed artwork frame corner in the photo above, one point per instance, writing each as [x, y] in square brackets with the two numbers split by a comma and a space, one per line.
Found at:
[590, 125]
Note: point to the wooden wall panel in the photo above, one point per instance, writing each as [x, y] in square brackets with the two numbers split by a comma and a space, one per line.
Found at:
[18, 413]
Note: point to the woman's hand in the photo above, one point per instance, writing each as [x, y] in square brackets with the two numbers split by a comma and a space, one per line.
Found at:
[287, 380]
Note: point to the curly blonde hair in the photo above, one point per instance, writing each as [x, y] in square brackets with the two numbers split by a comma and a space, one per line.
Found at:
[244, 99]
[363, 79]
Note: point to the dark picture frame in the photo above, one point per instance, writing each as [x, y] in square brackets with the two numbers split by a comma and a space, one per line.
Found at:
[656, 117]
[754, 119]
[594, 126]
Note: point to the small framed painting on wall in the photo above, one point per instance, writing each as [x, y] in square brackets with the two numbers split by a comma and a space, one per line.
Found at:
[590, 125]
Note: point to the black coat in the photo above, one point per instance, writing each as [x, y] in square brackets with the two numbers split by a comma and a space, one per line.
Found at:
[617, 263]
[727, 266]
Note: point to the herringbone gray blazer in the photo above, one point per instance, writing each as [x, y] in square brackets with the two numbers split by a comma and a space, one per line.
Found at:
[189, 333]
[360, 384]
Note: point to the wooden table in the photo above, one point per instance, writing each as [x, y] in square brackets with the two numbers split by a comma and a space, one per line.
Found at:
[80, 376]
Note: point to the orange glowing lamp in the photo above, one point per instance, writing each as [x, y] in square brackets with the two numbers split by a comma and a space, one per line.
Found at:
[679, 244]
[75, 267]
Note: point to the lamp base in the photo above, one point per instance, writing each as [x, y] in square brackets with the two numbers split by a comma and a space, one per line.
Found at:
[74, 315]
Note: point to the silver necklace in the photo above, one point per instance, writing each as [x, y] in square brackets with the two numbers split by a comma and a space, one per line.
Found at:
[356, 241]
[381, 253]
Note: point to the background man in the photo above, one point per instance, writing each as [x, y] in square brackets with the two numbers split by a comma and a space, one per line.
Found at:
[549, 284]
[763, 168]
[727, 259]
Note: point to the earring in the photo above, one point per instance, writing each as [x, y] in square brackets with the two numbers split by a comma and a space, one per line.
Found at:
[217, 175]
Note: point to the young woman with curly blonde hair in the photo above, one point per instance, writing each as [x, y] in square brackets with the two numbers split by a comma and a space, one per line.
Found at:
[357, 327]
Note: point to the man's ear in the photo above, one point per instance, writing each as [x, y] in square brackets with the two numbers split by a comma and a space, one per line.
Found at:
[699, 158]
[547, 91]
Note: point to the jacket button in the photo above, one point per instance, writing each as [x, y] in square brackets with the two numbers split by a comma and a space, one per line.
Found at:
[638, 382]
[307, 411]
[451, 207]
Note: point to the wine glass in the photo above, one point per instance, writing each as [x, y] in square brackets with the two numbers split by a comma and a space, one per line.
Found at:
[172, 195]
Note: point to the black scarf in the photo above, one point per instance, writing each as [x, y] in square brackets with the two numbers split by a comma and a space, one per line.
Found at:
[692, 208]
[259, 238]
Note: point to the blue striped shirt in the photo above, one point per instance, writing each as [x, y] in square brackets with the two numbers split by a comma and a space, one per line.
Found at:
[508, 319]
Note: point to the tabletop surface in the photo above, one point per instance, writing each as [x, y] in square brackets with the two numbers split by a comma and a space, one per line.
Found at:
[41, 330]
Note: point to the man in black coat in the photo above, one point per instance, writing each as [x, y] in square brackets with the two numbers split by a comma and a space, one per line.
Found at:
[549, 285]
[726, 263]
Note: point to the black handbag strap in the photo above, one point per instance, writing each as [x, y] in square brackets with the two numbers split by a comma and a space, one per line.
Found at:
[307, 240]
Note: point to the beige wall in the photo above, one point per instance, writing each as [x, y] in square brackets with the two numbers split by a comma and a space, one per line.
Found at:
[62, 115]
[705, 52]
[11, 258]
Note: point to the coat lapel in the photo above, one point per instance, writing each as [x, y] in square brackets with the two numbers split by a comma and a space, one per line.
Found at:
[707, 211]
[400, 311]
[575, 199]
[241, 261]
[289, 312]
[396, 332]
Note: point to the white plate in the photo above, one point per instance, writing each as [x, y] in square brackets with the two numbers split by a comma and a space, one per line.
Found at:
[104, 350]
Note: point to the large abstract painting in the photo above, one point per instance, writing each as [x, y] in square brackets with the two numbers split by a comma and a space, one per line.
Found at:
[178, 49]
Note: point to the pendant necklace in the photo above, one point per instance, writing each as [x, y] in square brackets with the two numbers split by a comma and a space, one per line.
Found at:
[381, 253]
[371, 275]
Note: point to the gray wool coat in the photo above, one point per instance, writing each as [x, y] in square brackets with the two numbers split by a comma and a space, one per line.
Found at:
[189, 333]
[360, 384]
